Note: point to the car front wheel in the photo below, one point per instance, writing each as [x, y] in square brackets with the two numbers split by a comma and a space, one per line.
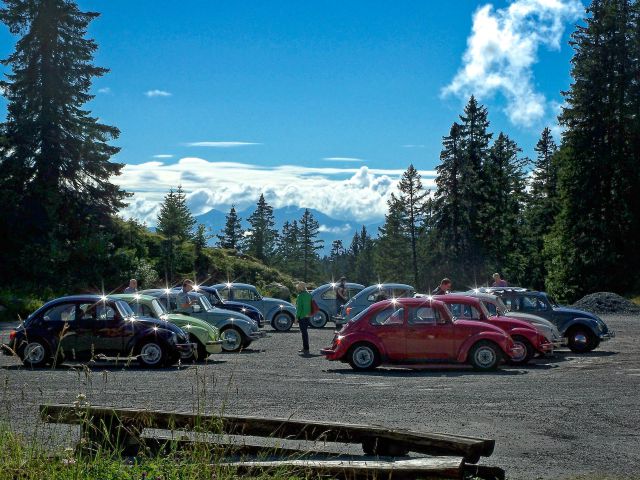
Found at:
[485, 356]
[319, 320]
[36, 354]
[231, 339]
[581, 340]
[152, 354]
[525, 351]
[282, 322]
[363, 356]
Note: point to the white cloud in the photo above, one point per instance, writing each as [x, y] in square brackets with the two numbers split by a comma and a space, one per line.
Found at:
[343, 159]
[502, 49]
[335, 230]
[410, 145]
[105, 90]
[221, 144]
[157, 93]
[349, 194]
[163, 155]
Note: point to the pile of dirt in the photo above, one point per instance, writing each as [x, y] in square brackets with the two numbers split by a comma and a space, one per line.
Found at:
[607, 303]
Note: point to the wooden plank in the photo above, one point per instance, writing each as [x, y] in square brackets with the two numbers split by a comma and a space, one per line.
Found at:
[434, 467]
[388, 441]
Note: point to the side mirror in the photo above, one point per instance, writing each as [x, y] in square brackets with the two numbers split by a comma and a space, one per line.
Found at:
[196, 309]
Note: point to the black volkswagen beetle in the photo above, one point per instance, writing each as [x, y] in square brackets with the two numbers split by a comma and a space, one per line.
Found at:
[82, 327]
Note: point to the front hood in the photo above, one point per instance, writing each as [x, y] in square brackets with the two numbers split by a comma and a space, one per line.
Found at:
[156, 322]
[222, 313]
[477, 326]
[574, 312]
[509, 322]
[278, 301]
[181, 320]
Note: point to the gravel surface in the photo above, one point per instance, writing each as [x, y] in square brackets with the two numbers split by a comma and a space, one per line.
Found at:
[607, 303]
[563, 417]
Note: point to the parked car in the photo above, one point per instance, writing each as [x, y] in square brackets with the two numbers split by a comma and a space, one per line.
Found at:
[325, 298]
[584, 331]
[370, 295]
[206, 337]
[217, 301]
[526, 338]
[279, 313]
[236, 330]
[417, 330]
[496, 307]
[83, 327]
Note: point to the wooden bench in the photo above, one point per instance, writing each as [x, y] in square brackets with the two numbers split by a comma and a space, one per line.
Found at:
[122, 428]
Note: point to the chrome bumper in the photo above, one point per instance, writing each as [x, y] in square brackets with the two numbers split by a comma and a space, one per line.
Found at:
[339, 320]
[607, 336]
[257, 335]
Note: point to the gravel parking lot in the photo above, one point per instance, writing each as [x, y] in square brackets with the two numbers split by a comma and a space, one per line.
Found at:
[564, 417]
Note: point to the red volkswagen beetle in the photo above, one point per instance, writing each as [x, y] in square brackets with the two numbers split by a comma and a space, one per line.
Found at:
[525, 336]
[417, 330]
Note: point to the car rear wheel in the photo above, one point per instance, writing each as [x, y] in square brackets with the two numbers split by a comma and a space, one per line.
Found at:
[231, 339]
[199, 354]
[319, 320]
[282, 322]
[363, 356]
[524, 352]
[485, 356]
[36, 354]
[152, 354]
[581, 340]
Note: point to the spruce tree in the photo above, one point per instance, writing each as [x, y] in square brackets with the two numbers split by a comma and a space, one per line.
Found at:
[288, 250]
[261, 242]
[57, 165]
[337, 258]
[309, 243]
[596, 235]
[232, 235]
[364, 266]
[392, 256]
[175, 224]
[200, 242]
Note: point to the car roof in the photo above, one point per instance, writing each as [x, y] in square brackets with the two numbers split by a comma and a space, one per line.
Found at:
[414, 301]
[328, 285]
[90, 297]
[232, 284]
[132, 296]
[379, 286]
[481, 295]
[456, 297]
[508, 289]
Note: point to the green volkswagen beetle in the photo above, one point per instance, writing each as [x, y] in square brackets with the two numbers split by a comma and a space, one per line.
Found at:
[204, 335]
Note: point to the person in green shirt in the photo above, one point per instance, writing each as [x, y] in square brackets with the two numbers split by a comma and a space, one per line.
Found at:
[303, 312]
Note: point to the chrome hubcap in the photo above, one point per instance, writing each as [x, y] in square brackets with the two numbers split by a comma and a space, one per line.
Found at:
[231, 339]
[485, 356]
[282, 321]
[34, 353]
[519, 351]
[363, 357]
[580, 339]
[151, 353]
[318, 320]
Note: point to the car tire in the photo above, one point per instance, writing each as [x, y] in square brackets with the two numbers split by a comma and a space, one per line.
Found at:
[35, 354]
[232, 339]
[528, 351]
[152, 354]
[581, 340]
[282, 322]
[319, 319]
[485, 356]
[199, 354]
[363, 356]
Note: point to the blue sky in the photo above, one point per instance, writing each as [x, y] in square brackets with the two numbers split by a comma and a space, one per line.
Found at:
[316, 104]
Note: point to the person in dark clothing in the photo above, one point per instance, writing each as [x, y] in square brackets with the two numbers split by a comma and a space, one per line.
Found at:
[443, 288]
[303, 312]
[342, 294]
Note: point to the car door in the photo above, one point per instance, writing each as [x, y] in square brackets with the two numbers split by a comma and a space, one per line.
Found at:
[248, 296]
[60, 321]
[429, 337]
[109, 330]
[388, 325]
[84, 345]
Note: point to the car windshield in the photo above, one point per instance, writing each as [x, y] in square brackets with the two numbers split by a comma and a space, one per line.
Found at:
[205, 303]
[158, 308]
[124, 309]
[484, 310]
[553, 302]
[215, 296]
[502, 308]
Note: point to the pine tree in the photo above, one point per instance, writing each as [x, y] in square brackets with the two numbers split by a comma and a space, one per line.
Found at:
[309, 243]
[261, 242]
[412, 198]
[56, 166]
[288, 251]
[596, 235]
[200, 241]
[232, 235]
[364, 266]
[175, 219]
[392, 256]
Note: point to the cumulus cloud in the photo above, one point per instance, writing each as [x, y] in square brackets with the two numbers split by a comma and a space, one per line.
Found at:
[221, 144]
[502, 49]
[163, 155]
[343, 159]
[157, 93]
[335, 230]
[349, 194]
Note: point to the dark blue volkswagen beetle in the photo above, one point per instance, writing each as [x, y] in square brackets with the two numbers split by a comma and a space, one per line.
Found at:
[82, 327]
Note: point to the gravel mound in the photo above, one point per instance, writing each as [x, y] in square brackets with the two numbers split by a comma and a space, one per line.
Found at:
[607, 302]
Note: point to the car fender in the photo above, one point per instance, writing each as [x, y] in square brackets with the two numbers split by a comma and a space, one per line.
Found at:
[239, 323]
[495, 337]
[365, 337]
[159, 335]
[590, 323]
[275, 309]
[529, 334]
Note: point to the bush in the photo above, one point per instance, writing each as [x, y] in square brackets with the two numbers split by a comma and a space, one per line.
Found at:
[18, 305]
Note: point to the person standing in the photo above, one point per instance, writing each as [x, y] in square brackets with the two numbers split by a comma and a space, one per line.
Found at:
[499, 282]
[303, 312]
[443, 288]
[342, 294]
[133, 286]
[185, 302]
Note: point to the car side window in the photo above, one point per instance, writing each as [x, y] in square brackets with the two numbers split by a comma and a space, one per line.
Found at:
[144, 310]
[389, 316]
[86, 312]
[330, 294]
[462, 310]
[401, 293]
[424, 316]
[244, 294]
[511, 303]
[493, 311]
[378, 296]
[105, 313]
[533, 304]
[353, 292]
[224, 293]
[61, 313]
